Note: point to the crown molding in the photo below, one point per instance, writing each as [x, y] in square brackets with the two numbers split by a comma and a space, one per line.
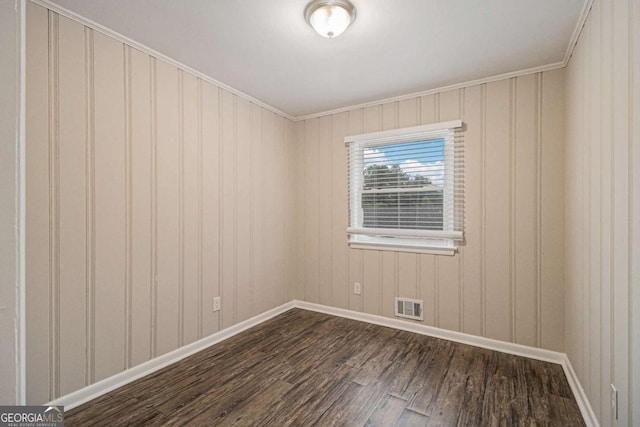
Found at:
[146, 49]
[441, 89]
[124, 39]
[573, 41]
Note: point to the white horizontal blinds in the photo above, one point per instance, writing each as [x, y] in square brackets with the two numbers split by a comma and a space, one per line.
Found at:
[407, 184]
[458, 176]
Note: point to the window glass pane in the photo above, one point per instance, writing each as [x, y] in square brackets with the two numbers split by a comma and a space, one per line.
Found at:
[402, 185]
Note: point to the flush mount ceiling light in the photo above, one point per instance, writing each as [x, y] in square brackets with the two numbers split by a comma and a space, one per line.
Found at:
[330, 17]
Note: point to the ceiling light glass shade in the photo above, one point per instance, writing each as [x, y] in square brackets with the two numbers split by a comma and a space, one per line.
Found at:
[330, 17]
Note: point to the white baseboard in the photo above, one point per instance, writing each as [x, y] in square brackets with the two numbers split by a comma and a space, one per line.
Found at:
[106, 385]
[460, 337]
[419, 328]
[93, 391]
[589, 416]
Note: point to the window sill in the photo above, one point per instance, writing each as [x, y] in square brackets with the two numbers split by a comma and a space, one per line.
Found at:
[400, 247]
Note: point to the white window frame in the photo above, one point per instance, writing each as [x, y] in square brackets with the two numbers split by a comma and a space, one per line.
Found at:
[439, 242]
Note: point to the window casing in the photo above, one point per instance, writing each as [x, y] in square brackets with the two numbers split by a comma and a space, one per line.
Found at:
[406, 189]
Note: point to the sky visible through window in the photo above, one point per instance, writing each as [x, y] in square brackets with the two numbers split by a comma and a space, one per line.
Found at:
[420, 158]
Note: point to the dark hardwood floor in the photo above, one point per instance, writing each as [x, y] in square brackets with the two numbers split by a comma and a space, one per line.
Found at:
[304, 368]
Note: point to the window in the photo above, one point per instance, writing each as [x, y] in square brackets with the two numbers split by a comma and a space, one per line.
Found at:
[406, 189]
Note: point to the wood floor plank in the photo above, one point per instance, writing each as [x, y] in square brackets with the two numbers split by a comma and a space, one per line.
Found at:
[309, 368]
[387, 412]
[447, 402]
[411, 418]
[342, 407]
[249, 414]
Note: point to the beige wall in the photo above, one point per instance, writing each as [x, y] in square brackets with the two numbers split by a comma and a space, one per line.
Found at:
[149, 192]
[506, 282]
[602, 208]
[9, 267]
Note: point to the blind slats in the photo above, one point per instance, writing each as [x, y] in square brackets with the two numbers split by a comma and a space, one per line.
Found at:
[407, 185]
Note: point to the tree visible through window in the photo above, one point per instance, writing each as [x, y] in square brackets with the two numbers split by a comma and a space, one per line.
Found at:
[398, 186]
[406, 187]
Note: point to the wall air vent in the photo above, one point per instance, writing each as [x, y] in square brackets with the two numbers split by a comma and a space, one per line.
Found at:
[409, 308]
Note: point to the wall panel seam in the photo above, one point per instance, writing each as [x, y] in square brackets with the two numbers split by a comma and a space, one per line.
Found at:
[349, 250]
[361, 252]
[330, 168]
[436, 264]
[128, 347]
[181, 202]
[305, 273]
[396, 255]
[632, 312]
[154, 206]
[461, 251]
[90, 207]
[318, 168]
[513, 87]
[483, 210]
[200, 207]
[251, 215]
[380, 253]
[612, 205]
[586, 246]
[54, 207]
[235, 208]
[380, 283]
[601, 277]
[220, 197]
[538, 207]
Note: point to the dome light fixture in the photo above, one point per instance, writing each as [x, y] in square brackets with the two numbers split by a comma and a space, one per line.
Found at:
[330, 17]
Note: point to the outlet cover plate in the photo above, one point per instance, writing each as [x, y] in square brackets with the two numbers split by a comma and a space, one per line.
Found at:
[357, 288]
[614, 401]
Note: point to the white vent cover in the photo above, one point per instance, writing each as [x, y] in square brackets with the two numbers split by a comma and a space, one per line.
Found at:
[409, 308]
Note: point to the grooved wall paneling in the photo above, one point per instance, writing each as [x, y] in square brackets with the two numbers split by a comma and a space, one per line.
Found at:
[149, 192]
[38, 292]
[168, 222]
[472, 254]
[72, 184]
[109, 206]
[339, 211]
[602, 269]
[141, 154]
[190, 215]
[498, 307]
[10, 208]
[506, 281]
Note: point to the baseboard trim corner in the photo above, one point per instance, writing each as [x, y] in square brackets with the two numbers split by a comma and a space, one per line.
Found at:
[419, 328]
[589, 416]
[460, 337]
[106, 385]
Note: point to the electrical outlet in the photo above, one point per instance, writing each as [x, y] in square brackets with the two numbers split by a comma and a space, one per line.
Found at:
[216, 304]
[357, 288]
[614, 401]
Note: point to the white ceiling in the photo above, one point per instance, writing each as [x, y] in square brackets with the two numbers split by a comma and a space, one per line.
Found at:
[395, 47]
